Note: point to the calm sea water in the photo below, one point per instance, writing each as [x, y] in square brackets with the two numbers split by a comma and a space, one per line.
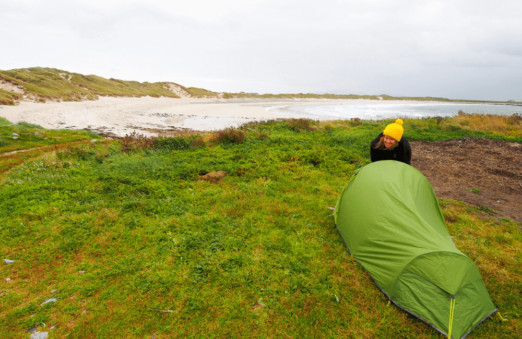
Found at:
[382, 110]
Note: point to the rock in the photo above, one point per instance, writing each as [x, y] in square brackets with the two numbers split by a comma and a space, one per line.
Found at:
[213, 177]
[8, 262]
[39, 335]
[52, 300]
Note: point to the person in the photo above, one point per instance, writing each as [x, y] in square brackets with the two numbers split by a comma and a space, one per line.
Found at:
[391, 145]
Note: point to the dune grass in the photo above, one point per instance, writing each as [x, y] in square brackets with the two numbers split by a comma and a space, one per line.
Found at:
[9, 98]
[200, 92]
[126, 240]
[499, 125]
[46, 84]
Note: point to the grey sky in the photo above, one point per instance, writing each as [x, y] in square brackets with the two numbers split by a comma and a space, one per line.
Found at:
[470, 49]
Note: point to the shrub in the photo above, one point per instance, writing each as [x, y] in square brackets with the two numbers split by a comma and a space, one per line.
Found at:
[135, 141]
[355, 121]
[230, 136]
[515, 119]
[176, 143]
[197, 142]
[299, 125]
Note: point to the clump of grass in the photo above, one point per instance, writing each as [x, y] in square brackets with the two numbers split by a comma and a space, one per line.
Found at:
[229, 136]
[200, 92]
[300, 125]
[505, 125]
[172, 143]
[136, 142]
[356, 121]
[197, 142]
[9, 98]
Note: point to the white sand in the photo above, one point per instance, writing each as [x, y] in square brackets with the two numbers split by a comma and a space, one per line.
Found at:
[149, 116]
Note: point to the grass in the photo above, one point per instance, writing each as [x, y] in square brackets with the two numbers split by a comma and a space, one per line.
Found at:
[131, 243]
[200, 92]
[9, 98]
[23, 141]
[499, 125]
[350, 96]
[45, 84]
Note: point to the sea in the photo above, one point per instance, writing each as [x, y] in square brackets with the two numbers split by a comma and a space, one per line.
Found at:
[382, 110]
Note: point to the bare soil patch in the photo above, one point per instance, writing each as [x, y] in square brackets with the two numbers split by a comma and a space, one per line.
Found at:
[486, 173]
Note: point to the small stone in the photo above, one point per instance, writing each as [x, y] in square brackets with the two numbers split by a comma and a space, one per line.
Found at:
[39, 335]
[8, 261]
[52, 300]
[54, 291]
[8, 280]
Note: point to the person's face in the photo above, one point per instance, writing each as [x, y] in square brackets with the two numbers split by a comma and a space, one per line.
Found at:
[389, 141]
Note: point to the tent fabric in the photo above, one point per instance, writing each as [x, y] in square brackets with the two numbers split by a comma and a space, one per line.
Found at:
[391, 222]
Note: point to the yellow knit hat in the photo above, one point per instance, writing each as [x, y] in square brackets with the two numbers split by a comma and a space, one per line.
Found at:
[394, 130]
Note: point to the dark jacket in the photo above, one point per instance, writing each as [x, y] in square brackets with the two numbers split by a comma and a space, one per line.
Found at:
[400, 153]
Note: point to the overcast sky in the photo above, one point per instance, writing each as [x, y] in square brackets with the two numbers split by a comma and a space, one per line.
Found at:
[458, 49]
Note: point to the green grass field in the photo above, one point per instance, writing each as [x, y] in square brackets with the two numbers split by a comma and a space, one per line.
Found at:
[126, 240]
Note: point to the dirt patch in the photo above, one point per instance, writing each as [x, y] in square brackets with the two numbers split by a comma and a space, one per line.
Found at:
[213, 177]
[486, 173]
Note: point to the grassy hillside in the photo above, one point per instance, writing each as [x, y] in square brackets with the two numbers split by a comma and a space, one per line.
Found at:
[332, 96]
[44, 84]
[126, 238]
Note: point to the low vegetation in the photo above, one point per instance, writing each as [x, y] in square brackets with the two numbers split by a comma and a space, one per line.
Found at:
[122, 238]
[201, 93]
[50, 84]
[23, 141]
[9, 98]
[44, 84]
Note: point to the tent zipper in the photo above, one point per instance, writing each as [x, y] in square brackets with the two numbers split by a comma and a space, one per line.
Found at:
[451, 314]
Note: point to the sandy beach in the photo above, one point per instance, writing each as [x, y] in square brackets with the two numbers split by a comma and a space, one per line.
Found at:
[155, 116]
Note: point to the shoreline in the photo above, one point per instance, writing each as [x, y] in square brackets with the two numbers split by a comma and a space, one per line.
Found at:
[119, 116]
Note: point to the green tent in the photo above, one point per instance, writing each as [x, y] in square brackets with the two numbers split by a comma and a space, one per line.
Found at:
[390, 220]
